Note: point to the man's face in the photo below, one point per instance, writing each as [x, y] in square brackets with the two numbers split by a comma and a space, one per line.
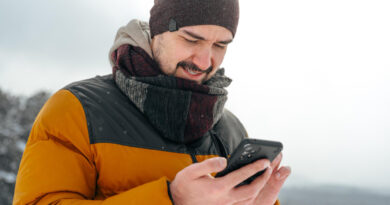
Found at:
[193, 52]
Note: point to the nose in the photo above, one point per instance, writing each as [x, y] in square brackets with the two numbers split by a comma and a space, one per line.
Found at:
[202, 58]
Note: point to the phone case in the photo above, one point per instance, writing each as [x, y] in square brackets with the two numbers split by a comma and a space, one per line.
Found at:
[248, 151]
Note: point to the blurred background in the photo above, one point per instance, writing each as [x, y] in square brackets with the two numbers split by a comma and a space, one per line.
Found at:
[314, 75]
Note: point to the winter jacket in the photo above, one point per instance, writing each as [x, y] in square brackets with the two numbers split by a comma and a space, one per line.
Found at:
[90, 145]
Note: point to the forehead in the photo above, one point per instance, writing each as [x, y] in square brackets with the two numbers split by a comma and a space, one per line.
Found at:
[208, 32]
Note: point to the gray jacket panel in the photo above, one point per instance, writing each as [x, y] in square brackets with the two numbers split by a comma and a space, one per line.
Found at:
[113, 118]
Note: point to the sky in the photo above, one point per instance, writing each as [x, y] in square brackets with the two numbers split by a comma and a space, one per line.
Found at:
[314, 75]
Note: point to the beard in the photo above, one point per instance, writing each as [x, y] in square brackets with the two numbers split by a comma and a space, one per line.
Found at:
[185, 65]
[193, 67]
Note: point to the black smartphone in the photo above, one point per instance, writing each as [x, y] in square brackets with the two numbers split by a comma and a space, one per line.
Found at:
[248, 151]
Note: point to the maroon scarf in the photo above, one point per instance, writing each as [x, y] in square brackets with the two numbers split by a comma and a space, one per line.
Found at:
[181, 110]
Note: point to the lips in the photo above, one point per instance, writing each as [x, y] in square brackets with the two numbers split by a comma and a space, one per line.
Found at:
[192, 75]
[192, 72]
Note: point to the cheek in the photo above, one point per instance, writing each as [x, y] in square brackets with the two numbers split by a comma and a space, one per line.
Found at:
[179, 53]
[218, 57]
[184, 53]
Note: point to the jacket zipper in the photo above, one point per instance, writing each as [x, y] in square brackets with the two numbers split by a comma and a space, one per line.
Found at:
[218, 144]
[193, 155]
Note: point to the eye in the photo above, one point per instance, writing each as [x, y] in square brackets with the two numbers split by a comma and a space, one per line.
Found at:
[220, 46]
[191, 41]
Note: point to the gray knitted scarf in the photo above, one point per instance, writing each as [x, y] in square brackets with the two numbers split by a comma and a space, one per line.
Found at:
[181, 110]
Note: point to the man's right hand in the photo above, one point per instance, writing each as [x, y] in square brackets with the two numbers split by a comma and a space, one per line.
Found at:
[195, 185]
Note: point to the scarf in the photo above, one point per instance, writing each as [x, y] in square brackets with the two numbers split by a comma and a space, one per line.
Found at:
[180, 110]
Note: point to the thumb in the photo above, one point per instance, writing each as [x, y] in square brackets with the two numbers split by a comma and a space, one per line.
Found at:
[208, 166]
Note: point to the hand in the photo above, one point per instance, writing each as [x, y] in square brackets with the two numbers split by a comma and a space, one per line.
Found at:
[269, 194]
[195, 185]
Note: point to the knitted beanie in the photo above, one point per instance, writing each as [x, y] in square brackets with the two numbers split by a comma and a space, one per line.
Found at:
[170, 15]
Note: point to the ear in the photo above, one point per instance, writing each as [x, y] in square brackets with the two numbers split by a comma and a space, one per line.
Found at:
[155, 1]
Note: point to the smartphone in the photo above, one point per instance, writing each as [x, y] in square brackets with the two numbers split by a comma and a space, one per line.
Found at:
[248, 151]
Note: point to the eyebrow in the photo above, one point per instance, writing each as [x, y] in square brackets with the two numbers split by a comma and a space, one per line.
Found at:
[194, 35]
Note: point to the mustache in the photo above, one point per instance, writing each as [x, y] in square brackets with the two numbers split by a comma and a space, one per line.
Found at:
[193, 67]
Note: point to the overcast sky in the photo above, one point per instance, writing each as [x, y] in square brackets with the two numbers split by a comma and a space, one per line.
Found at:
[312, 74]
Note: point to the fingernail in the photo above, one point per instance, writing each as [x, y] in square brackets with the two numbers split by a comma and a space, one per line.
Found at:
[279, 176]
[267, 164]
[270, 170]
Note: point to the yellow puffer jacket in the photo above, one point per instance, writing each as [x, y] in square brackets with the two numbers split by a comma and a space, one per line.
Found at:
[90, 145]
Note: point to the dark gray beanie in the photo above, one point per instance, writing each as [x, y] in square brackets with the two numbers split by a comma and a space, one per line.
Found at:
[170, 15]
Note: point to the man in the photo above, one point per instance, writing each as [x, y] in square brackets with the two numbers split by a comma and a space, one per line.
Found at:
[152, 132]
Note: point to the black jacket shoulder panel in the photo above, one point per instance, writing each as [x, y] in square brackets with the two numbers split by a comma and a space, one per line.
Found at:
[230, 131]
[113, 118]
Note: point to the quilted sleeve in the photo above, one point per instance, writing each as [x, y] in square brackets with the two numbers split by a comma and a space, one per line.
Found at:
[57, 166]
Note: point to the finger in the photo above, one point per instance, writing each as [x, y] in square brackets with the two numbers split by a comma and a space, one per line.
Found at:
[206, 167]
[270, 192]
[276, 162]
[245, 202]
[282, 173]
[239, 175]
[251, 190]
[277, 179]
[243, 173]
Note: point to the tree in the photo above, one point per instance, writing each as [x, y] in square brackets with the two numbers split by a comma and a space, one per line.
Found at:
[17, 115]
